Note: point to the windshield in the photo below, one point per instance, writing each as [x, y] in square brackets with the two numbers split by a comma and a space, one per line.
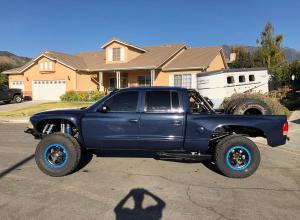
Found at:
[97, 102]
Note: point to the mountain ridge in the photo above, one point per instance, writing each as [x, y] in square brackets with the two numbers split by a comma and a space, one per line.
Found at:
[290, 54]
[13, 59]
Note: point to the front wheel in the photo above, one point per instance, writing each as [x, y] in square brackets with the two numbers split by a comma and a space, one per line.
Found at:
[58, 154]
[17, 99]
[237, 156]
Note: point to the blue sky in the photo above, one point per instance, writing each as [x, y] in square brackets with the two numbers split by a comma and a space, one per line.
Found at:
[31, 26]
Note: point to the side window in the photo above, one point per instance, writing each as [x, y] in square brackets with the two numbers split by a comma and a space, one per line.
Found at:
[158, 101]
[123, 102]
[230, 80]
[242, 79]
[251, 78]
[162, 101]
[175, 101]
[3, 88]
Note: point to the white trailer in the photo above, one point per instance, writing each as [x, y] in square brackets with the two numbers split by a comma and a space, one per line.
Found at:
[218, 85]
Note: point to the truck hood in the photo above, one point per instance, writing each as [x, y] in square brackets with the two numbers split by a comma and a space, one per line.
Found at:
[61, 112]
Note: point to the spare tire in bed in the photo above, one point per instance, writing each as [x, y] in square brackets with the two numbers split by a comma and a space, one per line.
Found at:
[251, 107]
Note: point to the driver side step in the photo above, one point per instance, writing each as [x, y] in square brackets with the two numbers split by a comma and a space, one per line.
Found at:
[184, 156]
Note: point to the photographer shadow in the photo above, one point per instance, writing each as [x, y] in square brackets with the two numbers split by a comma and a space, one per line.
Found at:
[153, 212]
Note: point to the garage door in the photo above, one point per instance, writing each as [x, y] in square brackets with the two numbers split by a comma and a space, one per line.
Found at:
[17, 85]
[48, 89]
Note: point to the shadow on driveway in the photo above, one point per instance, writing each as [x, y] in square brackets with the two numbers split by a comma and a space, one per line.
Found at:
[15, 166]
[139, 211]
[297, 121]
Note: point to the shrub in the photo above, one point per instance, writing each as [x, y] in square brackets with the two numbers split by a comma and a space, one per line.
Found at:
[276, 107]
[73, 96]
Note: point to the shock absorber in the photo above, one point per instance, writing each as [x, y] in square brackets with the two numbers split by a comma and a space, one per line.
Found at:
[68, 129]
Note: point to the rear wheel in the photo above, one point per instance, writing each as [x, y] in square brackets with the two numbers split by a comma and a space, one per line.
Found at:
[58, 154]
[237, 156]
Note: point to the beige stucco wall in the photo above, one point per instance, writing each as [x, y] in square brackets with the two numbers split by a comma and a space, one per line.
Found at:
[85, 81]
[129, 52]
[164, 78]
[33, 73]
[217, 63]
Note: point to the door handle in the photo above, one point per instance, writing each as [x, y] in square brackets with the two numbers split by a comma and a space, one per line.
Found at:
[133, 120]
[176, 122]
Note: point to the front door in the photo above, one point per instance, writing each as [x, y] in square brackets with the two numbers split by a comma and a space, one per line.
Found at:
[162, 122]
[117, 128]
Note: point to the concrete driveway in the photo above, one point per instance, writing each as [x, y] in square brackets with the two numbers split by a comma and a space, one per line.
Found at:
[144, 188]
[7, 107]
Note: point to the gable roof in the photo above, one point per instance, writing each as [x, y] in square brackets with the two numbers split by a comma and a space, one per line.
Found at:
[194, 58]
[122, 42]
[167, 57]
[71, 61]
[153, 58]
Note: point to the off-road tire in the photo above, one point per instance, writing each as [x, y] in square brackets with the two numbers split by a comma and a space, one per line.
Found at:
[72, 148]
[17, 99]
[225, 146]
[245, 106]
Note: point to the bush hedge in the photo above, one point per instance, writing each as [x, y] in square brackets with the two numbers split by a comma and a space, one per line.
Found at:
[276, 107]
[73, 96]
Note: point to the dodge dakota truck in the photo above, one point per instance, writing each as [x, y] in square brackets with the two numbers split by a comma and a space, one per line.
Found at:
[170, 121]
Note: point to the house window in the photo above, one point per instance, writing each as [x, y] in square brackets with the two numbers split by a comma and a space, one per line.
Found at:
[251, 78]
[184, 80]
[178, 80]
[242, 79]
[116, 54]
[230, 80]
[46, 66]
[144, 80]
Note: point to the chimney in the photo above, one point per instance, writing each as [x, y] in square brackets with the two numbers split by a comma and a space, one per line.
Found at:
[232, 57]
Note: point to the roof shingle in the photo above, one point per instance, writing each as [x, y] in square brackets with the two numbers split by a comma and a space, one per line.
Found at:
[194, 58]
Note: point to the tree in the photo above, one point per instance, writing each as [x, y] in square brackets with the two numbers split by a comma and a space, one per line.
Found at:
[270, 53]
[244, 58]
[294, 69]
[3, 78]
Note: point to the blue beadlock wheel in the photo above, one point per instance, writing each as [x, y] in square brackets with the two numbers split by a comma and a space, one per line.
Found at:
[238, 158]
[56, 156]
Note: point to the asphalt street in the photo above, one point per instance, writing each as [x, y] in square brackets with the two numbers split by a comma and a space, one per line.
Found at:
[111, 187]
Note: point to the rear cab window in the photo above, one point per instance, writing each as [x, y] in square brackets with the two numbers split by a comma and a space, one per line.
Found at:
[162, 102]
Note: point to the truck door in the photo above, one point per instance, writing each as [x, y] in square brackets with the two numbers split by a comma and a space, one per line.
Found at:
[115, 128]
[4, 93]
[162, 121]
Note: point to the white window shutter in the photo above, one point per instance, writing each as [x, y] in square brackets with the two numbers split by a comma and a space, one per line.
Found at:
[46, 65]
[41, 66]
[50, 65]
[110, 54]
[122, 54]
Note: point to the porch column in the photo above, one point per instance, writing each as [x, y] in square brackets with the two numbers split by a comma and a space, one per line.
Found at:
[100, 83]
[118, 75]
[152, 72]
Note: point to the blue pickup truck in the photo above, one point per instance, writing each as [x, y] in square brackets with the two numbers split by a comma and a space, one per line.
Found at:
[171, 121]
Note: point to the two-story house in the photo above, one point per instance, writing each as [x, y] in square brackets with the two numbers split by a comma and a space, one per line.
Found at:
[117, 65]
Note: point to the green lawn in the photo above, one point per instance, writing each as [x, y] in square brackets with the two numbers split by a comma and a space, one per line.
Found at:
[31, 110]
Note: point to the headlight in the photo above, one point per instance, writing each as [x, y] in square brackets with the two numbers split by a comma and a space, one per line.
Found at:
[30, 125]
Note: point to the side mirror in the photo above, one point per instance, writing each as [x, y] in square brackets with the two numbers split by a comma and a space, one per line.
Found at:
[103, 109]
